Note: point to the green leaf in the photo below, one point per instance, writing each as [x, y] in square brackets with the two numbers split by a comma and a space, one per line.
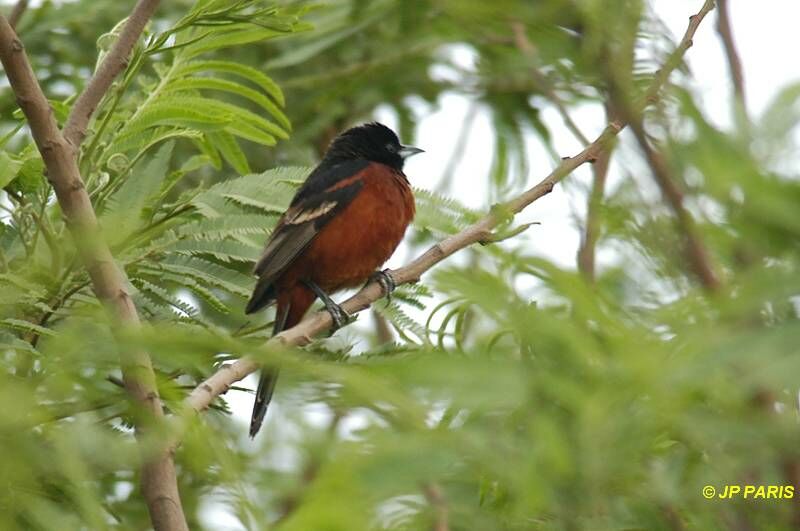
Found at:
[27, 326]
[124, 209]
[211, 83]
[178, 306]
[174, 112]
[209, 151]
[14, 130]
[163, 275]
[230, 150]
[30, 176]
[226, 250]
[209, 273]
[314, 46]
[227, 227]
[402, 322]
[225, 39]
[243, 71]
[441, 215]
[270, 192]
[143, 140]
[266, 206]
[9, 168]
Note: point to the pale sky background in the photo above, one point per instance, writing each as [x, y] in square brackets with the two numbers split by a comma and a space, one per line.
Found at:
[767, 38]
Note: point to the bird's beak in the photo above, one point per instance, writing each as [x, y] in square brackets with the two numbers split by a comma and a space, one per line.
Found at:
[408, 151]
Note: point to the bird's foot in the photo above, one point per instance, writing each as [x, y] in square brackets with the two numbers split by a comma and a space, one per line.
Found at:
[387, 283]
[340, 317]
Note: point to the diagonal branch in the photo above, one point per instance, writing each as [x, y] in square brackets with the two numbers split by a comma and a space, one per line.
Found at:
[433, 493]
[17, 12]
[731, 54]
[115, 62]
[159, 483]
[696, 252]
[698, 256]
[218, 383]
[591, 231]
[525, 46]
[302, 334]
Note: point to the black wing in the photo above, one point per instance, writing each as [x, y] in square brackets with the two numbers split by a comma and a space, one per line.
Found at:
[324, 176]
[314, 205]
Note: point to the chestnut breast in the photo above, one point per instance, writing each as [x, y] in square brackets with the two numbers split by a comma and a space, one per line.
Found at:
[364, 235]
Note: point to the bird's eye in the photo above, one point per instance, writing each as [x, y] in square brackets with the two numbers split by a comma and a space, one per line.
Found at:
[391, 147]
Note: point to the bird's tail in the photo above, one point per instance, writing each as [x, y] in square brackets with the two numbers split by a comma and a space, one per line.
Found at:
[266, 386]
[262, 296]
[292, 306]
[269, 376]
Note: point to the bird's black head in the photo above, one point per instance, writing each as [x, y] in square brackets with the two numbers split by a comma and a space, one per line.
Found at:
[372, 141]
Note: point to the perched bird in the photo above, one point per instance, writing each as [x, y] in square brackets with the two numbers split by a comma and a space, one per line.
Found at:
[343, 223]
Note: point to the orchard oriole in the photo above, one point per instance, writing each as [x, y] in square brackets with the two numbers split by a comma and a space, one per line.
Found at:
[343, 223]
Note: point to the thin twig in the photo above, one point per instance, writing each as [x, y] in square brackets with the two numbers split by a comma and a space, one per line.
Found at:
[696, 252]
[433, 493]
[17, 12]
[732, 55]
[115, 62]
[600, 167]
[698, 256]
[159, 482]
[525, 46]
[458, 150]
[383, 332]
[591, 231]
[301, 334]
[699, 259]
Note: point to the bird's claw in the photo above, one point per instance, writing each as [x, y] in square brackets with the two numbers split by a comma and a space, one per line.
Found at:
[386, 281]
[340, 317]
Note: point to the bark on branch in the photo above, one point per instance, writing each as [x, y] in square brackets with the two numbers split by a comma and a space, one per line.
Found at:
[696, 252]
[433, 493]
[17, 12]
[731, 54]
[591, 233]
[159, 483]
[526, 47]
[115, 62]
[217, 384]
[698, 257]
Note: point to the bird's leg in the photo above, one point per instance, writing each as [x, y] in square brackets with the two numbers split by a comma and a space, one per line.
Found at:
[387, 283]
[339, 316]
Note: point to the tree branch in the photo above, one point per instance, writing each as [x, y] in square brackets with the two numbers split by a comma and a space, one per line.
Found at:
[698, 256]
[16, 12]
[732, 55]
[525, 46]
[591, 231]
[159, 483]
[433, 493]
[696, 252]
[301, 334]
[383, 332]
[115, 62]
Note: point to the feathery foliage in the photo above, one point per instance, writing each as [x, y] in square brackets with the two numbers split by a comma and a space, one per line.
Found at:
[505, 390]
